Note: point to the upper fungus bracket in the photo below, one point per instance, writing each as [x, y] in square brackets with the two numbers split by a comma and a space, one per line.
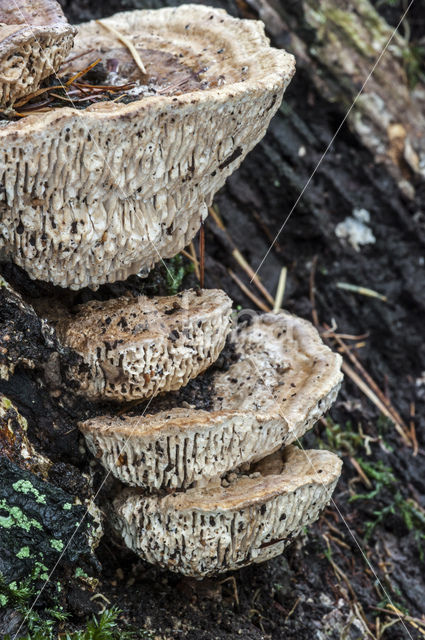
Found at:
[132, 181]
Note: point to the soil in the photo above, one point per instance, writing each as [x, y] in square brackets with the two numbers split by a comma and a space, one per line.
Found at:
[336, 580]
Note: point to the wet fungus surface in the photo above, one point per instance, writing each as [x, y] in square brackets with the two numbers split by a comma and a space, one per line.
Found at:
[213, 529]
[282, 381]
[133, 348]
[93, 195]
[106, 187]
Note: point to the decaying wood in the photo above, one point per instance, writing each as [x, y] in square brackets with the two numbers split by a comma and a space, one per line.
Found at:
[342, 42]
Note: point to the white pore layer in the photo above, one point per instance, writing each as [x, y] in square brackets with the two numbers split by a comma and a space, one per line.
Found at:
[94, 195]
[201, 532]
[133, 348]
[284, 380]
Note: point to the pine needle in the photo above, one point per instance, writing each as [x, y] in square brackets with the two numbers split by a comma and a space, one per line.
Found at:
[82, 73]
[130, 46]
[280, 290]
[260, 304]
[363, 291]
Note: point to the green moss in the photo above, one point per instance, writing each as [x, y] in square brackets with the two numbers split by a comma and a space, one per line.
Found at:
[41, 571]
[414, 63]
[67, 506]
[20, 595]
[344, 440]
[362, 26]
[16, 593]
[177, 270]
[106, 628]
[347, 22]
[24, 552]
[385, 483]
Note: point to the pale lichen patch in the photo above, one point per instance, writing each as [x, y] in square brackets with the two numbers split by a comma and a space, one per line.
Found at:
[25, 486]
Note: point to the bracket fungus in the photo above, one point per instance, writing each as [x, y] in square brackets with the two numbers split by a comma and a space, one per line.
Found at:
[95, 193]
[92, 195]
[283, 381]
[240, 490]
[35, 39]
[218, 528]
[134, 348]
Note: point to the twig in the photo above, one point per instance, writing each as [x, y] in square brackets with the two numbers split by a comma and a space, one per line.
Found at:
[173, 87]
[343, 336]
[193, 259]
[81, 73]
[413, 429]
[130, 46]
[280, 290]
[202, 255]
[251, 274]
[364, 291]
[240, 259]
[395, 416]
[380, 631]
[295, 605]
[339, 542]
[79, 55]
[312, 287]
[232, 579]
[361, 473]
[374, 398]
[55, 95]
[102, 597]
[214, 215]
[32, 95]
[417, 623]
[32, 113]
[260, 304]
[340, 573]
[109, 87]
[372, 391]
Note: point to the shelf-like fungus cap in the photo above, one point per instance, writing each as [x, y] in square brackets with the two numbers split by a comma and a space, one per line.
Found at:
[283, 380]
[35, 39]
[218, 528]
[133, 348]
[94, 195]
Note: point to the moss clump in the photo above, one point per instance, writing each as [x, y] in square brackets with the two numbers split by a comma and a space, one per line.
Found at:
[177, 270]
[168, 277]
